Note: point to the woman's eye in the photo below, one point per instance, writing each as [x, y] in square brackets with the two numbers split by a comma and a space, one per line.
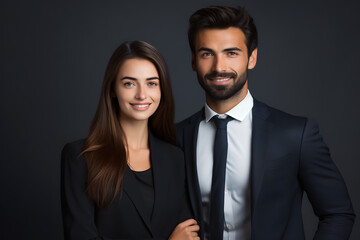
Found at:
[128, 84]
[152, 84]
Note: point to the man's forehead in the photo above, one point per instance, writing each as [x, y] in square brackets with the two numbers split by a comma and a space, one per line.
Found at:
[220, 38]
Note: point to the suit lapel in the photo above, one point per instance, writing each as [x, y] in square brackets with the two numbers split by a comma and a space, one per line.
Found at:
[259, 148]
[160, 182]
[134, 195]
[190, 138]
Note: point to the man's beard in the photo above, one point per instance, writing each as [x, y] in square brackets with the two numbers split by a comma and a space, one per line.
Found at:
[222, 92]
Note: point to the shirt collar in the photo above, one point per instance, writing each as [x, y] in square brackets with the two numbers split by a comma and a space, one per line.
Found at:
[239, 112]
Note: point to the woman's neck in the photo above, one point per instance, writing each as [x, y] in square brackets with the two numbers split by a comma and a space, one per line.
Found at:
[136, 133]
[138, 151]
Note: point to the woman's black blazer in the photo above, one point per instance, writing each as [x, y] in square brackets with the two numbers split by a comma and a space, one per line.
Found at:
[124, 219]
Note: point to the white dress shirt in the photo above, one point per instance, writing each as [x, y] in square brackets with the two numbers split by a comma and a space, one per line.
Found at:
[237, 210]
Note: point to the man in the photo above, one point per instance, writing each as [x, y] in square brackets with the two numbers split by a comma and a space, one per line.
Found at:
[248, 164]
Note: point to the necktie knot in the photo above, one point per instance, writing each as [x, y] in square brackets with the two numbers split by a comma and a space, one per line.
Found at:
[221, 122]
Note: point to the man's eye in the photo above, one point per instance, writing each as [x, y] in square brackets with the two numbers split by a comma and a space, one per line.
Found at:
[232, 53]
[206, 54]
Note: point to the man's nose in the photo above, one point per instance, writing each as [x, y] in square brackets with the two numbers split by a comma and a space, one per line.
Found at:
[219, 64]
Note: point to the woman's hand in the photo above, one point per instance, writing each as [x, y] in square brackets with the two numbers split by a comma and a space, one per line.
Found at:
[186, 230]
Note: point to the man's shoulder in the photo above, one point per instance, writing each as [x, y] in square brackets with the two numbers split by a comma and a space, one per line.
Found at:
[275, 115]
[186, 125]
[196, 117]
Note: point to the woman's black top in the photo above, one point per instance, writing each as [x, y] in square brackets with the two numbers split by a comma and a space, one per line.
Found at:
[144, 184]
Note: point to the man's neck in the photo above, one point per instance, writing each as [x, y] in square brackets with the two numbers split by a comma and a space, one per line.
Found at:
[225, 105]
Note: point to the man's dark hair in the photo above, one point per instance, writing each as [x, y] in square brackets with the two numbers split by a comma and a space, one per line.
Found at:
[222, 17]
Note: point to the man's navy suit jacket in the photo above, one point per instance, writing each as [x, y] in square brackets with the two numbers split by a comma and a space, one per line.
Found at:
[288, 157]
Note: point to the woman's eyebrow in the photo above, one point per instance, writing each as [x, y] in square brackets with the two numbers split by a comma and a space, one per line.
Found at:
[130, 78]
[152, 78]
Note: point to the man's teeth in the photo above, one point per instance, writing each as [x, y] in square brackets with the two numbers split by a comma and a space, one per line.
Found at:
[222, 79]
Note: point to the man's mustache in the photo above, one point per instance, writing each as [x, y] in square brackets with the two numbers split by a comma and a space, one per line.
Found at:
[222, 75]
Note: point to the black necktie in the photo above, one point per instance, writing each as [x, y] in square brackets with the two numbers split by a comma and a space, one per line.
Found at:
[218, 179]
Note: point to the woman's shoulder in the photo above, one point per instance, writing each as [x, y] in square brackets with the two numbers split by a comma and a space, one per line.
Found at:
[73, 149]
[164, 146]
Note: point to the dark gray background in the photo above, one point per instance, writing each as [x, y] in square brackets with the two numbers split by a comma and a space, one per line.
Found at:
[53, 56]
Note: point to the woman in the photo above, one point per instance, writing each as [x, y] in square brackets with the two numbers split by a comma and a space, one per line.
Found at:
[126, 180]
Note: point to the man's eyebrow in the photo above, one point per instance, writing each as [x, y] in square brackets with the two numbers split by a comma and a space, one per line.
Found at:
[225, 50]
[205, 49]
[232, 49]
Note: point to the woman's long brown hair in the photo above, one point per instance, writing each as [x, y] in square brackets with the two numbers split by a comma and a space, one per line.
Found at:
[104, 148]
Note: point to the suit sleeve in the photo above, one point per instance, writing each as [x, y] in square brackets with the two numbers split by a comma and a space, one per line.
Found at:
[325, 187]
[77, 208]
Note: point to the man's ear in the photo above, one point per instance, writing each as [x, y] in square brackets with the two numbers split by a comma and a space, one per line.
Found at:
[252, 59]
[193, 61]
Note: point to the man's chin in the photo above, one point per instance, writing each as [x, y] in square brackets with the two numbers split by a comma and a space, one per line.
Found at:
[220, 89]
[222, 92]
[219, 94]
